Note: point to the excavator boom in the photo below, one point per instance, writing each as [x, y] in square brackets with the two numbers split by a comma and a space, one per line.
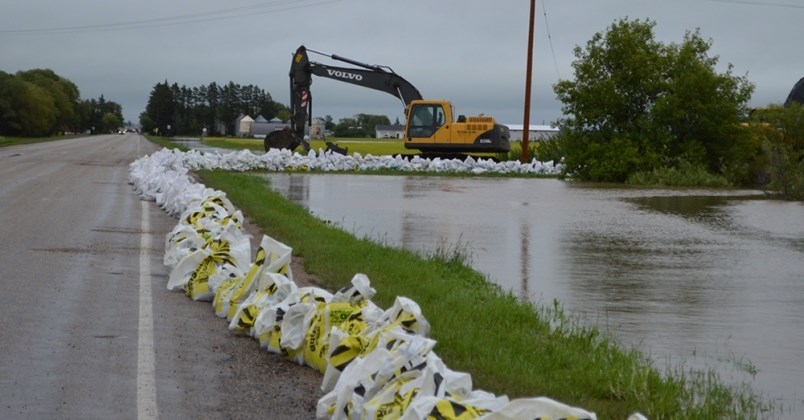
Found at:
[370, 76]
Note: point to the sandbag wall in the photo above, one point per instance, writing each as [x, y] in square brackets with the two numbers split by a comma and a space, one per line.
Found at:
[376, 363]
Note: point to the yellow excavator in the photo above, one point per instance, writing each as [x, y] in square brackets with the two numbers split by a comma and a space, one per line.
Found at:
[429, 124]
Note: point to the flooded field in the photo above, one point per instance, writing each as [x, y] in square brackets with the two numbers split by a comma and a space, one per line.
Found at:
[707, 279]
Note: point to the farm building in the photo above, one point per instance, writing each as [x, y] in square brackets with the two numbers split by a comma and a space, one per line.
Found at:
[537, 132]
[261, 126]
[243, 125]
[393, 131]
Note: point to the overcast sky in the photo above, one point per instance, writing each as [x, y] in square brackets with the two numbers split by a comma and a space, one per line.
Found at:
[470, 52]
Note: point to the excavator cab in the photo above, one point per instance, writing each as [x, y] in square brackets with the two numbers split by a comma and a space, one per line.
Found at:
[430, 128]
[425, 119]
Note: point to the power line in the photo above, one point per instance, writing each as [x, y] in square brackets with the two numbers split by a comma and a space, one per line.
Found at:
[758, 3]
[550, 39]
[229, 13]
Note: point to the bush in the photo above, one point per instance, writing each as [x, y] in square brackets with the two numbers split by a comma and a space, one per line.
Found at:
[683, 175]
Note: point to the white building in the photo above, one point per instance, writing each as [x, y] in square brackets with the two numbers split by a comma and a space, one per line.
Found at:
[537, 132]
[260, 127]
[394, 131]
[243, 125]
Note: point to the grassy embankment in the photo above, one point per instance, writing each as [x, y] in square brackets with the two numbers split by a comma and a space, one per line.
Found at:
[13, 141]
[509, 346]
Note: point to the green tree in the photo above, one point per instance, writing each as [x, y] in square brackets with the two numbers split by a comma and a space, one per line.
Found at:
[8, 118]
[64, 93]
[25, 109]
[189, 110]
[111, 121]
[329, 123]
[92, 112]
[781, 132]
[349, 127]
[637, 105]
[283, 112]
[160, 110]
[369, 123]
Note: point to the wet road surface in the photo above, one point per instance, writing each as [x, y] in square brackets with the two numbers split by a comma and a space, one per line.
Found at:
[89, 329]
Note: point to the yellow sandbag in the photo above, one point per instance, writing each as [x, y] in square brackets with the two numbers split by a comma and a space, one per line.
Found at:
[229, 290]
[198, 287]
[390, 403]
[328, 316]
[272, 289]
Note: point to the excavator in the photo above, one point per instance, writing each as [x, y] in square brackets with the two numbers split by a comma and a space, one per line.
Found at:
[429, 124]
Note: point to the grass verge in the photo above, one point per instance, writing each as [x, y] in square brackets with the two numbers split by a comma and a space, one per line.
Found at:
[508, 345]
[13, 141]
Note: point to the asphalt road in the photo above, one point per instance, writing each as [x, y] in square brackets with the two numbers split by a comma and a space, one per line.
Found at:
[89, 329]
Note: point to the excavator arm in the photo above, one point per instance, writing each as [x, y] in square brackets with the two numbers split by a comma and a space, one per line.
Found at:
[375, 77]
[370, 76]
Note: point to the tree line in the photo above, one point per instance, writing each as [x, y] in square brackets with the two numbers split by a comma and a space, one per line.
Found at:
[174, 109]
[40, 103]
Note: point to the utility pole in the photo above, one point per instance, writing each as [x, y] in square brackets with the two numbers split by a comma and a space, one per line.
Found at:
[526, 123]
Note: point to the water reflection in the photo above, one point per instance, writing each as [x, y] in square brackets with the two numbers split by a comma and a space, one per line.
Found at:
[710, 278]
[195, 143]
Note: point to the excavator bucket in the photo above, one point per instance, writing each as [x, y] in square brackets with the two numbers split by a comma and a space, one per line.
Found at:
[285, 139]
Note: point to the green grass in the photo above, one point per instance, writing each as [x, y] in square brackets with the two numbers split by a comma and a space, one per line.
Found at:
[13, 141]
[508, 345]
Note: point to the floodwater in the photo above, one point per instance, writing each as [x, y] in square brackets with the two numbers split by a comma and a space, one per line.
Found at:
[196, 144]
[699, 278]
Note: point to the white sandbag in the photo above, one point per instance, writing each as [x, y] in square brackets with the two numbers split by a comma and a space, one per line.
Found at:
[272, 288]
[295, 323]
[539, 407]
[278, 257]
[181, 242]
[347, 341]
[272, 256]
[397, 351]
[359, 289]
[184, 270]
[239, 256]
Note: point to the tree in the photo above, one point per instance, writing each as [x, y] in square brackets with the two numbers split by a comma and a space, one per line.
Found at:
[160, 110]
[329, 123]
[26, 109]
[637, 105]
[111, 121]
[369, 122]
[63, 92]
[189, 110]
[780, 130]
[92, 115]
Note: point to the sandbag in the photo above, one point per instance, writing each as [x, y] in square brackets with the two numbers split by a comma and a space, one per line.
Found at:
[272, 288]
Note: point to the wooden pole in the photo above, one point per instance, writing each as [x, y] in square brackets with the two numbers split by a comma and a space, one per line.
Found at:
[526, 123]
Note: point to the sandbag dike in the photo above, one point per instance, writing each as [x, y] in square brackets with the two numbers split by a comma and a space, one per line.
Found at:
[376, 363]
[327, 161]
